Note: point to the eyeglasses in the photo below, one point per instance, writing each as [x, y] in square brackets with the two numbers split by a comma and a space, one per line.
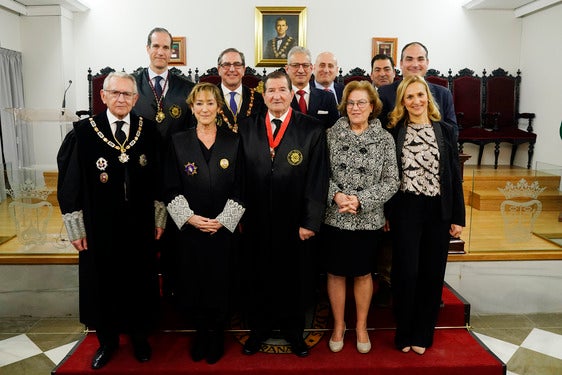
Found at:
[305, 66]
[115, 94]
[361, 104]
[236, 65]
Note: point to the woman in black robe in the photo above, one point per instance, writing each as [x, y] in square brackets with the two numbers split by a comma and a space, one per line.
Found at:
[203, 185]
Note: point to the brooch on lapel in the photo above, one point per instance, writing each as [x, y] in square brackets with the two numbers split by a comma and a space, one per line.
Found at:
[190, 169]
[224, 163]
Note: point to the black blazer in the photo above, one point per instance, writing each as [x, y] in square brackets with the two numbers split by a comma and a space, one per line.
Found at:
[321, 105]
[452, 199]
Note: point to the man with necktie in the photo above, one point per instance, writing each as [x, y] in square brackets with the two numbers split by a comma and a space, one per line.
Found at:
[307, 99]
[109, 196]
[240, 101]
[286, 161]
[162, 98]
[278, 47]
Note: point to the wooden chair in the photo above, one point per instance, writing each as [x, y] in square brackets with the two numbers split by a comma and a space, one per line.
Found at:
[250, 79]
[95, 84]
[501, 97]
[467, 90]
[435, 77]
[356, 74]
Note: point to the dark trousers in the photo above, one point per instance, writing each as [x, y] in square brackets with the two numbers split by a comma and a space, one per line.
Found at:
[419, 258]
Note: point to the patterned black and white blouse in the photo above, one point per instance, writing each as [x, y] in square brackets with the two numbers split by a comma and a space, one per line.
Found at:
[363, 165]
[420, 161]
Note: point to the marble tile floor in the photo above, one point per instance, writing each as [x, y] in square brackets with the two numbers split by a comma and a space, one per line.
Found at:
[530, 344]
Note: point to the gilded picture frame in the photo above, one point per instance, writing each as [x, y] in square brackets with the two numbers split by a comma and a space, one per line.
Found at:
[271, 47]
[386, 46]
[178, 51]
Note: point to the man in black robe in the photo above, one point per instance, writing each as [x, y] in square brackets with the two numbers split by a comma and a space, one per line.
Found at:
[246, 101]
[108, 171]
[162, 98]
[286, 160]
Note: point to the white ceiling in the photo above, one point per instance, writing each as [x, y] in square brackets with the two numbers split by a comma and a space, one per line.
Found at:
[520, 7]
[496, 4]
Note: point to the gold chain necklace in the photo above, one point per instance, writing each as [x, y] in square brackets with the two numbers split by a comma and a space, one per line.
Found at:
[234, 127]
[123, 158]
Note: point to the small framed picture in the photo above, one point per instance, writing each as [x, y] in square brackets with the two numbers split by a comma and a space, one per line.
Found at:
[178, 51]
[385, 46]
[278, 29]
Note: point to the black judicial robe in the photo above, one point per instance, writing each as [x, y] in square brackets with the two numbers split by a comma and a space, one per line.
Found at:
[118, 283]
[178, 114]
[282, 195]
[204, 258]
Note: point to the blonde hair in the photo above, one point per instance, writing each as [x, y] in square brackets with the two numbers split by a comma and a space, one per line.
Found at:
[205, 87]
[400, 113]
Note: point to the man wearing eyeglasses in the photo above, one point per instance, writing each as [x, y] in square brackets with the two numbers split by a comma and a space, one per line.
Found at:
[278, 47]
[162, 98]
[309, 100]
[240, 101]
[109, 198]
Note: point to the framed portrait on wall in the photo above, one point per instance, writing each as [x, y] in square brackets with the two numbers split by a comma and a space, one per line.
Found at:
[278, 29]
[178, 51]
[386, 46]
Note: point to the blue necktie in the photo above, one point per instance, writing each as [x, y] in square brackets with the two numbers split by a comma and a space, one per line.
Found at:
[158, 86]
[233, 106]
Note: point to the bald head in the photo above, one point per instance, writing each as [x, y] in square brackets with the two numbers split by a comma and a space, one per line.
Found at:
[325, 68]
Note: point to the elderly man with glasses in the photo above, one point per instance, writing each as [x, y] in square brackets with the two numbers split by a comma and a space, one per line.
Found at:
[108, 191]
[309, 100]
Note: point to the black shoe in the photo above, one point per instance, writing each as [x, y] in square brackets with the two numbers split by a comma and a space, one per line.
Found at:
[142, 350]
[102, 356]
[253, 344]
[216, 347]
[298, 346]
[200, 346]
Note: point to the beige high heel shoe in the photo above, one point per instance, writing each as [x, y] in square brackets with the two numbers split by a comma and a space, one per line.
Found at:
[337, 346]
[364, 347]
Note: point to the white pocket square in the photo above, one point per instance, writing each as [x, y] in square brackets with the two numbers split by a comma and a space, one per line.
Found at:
[322, 112]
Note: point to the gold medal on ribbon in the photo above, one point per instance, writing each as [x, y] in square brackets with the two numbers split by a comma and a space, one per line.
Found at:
[160, 116]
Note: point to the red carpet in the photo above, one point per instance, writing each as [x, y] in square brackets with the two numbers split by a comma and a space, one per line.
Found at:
[455, 351]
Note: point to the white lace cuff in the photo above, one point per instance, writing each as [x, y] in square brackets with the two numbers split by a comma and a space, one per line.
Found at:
[179, 210]
[74, 223]
[231, 215]
[160, 214]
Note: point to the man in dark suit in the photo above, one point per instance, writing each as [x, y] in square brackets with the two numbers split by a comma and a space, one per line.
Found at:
[287, 165]
[162, 98]
[240, 101]
[278, 47]
[414, 61]
[109, 197]
[309, 100]
[382, 70]
[325, 73]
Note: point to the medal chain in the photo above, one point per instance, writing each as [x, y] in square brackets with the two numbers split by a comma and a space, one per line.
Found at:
[119, 146]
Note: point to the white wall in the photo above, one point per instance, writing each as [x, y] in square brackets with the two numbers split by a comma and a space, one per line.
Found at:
[113, 33]
[9, 30]
[541, 54]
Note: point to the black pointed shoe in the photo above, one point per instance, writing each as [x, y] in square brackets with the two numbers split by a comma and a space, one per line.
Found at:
[102, 356]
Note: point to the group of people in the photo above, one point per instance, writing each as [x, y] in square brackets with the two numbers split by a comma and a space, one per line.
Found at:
[189, 180]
